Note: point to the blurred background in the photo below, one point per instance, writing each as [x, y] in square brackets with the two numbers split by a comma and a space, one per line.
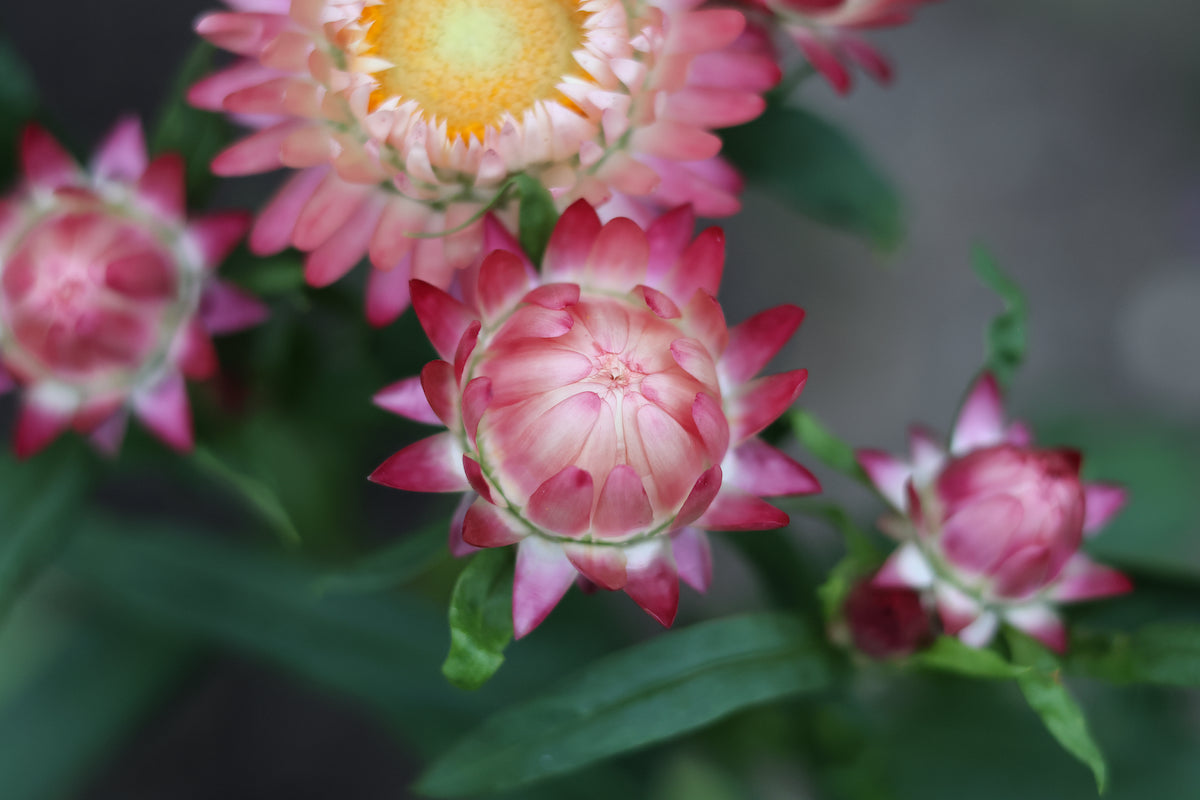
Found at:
[1063, 134]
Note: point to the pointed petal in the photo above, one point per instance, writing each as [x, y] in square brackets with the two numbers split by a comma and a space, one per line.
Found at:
[457, 545]
[889, 474]
[757, 467]
[563, 503]
[38, 426]
[623, 506]
[108, 436]
[652, 581]
[753, 343]
[927, 454]
[735, 510]
[477, 479]
[485, 525]
[430, 465]
[981, 421]
[712, 425]
[956, 609]
[764, 400]
[197, 357]
[215, 235]
[555, 296]
[444, 319]
[387, 293]
[161, 187]
[503, 280]
[122, 156]
[475, 400]
[1083, 579]
[1041, 623]
[164, 410]
[602, 565]
[571, 242]
[225, 308]
[46, 164]
[693, 557]
[1102, 502]
[701, 497]
[542, 577]
[407, 399]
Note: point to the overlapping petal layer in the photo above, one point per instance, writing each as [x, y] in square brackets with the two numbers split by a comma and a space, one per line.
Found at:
[599, 412]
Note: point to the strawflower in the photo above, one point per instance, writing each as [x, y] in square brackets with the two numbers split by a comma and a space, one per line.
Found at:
[600, 414]
[407, 119]
[993, 527]
[107, 293]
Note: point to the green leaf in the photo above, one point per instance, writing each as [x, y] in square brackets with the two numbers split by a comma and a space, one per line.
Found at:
[38, 501]
[671, 685]
[828, 448]
[254, 492]
[480, 619]
[1166, 655]
[948, 654]
[817, 170]
[538, 216]
[18, 105]
[1046, 695]
[1006, 334]
[90, 694]
[196, 135]
[862, 557]
[393, 566]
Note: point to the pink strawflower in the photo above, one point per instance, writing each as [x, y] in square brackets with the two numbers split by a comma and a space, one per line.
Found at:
[107, 293]
[601, 416]
[409, 116]
[887, 621]
[827, 32]
[993, 527]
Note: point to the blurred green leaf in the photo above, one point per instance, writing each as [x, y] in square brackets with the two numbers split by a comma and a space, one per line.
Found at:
[826, 446]
[1006, 334]
[480, 619]
[816, 169]
[1043, 689]
[38, 502]
[88, 697]
[391, 566]
[948, 654]
[537, 216]
[18, 105]
[862, 557]
[1166, 655]
[254, 492]
[669, 686]
[196, 135]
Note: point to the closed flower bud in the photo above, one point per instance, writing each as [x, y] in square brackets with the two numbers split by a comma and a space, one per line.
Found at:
[887, 621]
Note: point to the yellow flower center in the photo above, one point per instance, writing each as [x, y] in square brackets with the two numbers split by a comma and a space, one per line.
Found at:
[468, 62]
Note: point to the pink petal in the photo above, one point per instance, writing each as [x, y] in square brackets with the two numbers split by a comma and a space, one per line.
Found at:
[215, 235]
[668, 237]
[37, 427]
[328, 209]
[345, 248]
[712, 425]
[477, 479]
[571, 242]
[735, 510]
[485, 525]
[927, 453]
[703, 492]
[693, 557]
[164, 410]
[258, 152]
[555, 296]
[707, 29]
[444, 319]
[108, 436]
[652, 581]
[455, 542]
[600, 564]
[503, 280]
[822, 58]
[764, 399]
[161, 186]
[45, 163]
[224, 308]
[906, 568]
[273, 229]
[387, 293]
[563, 503]
[981, 420]
[704, 320]
[657, 302]
[695, 361]
[1042, 624]
[407, 398]
[543, 575]
[956, 610]
[197, 357]
[475, 400]
[758, 468]
[889, 474]
[700, 266]
[122, 156]
[1083, 579]
[1102, 502]
[430, 465]
[753, 343]
[623, 506]
[619, 254]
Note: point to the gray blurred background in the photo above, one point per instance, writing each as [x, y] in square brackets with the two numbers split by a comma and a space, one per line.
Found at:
[1064, 134]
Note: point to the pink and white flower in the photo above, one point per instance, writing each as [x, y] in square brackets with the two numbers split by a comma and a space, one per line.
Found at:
[993, 527]
[828, 33]
[407, 118]
[600, 414]
[107, 293]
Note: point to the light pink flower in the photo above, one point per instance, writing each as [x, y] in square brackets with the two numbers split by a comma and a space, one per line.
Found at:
[107, 294]
[993, 527]
[828, 33]
[409, 117]
[601, 416]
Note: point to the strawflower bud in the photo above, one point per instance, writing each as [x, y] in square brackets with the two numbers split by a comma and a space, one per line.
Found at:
[993, 527]
[887, 621]
[600, 414]
[107, 293]
[408, 118]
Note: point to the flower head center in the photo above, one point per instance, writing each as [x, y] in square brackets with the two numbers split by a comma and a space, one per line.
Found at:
[614, 373]
[470, 62]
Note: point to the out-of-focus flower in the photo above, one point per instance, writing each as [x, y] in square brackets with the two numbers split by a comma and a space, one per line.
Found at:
[887, 621]
[994, 527]
[600, 414]
[827, 32]
[107, 293]
[409, 116]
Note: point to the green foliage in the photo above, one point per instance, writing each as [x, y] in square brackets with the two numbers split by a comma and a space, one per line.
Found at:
[254, 492]
[18, 105]
[480, 619]
[1043, 689]
[816, 169]
[196, 135]
[537, 216]
[392, 566]
[39, 500]
[674, 684]
[826, 446]
[1165, 655]
[862, 557]
[1006, 334]
[948, 654]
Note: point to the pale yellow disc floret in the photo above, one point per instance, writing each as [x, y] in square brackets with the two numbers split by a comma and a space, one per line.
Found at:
[468, 62]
